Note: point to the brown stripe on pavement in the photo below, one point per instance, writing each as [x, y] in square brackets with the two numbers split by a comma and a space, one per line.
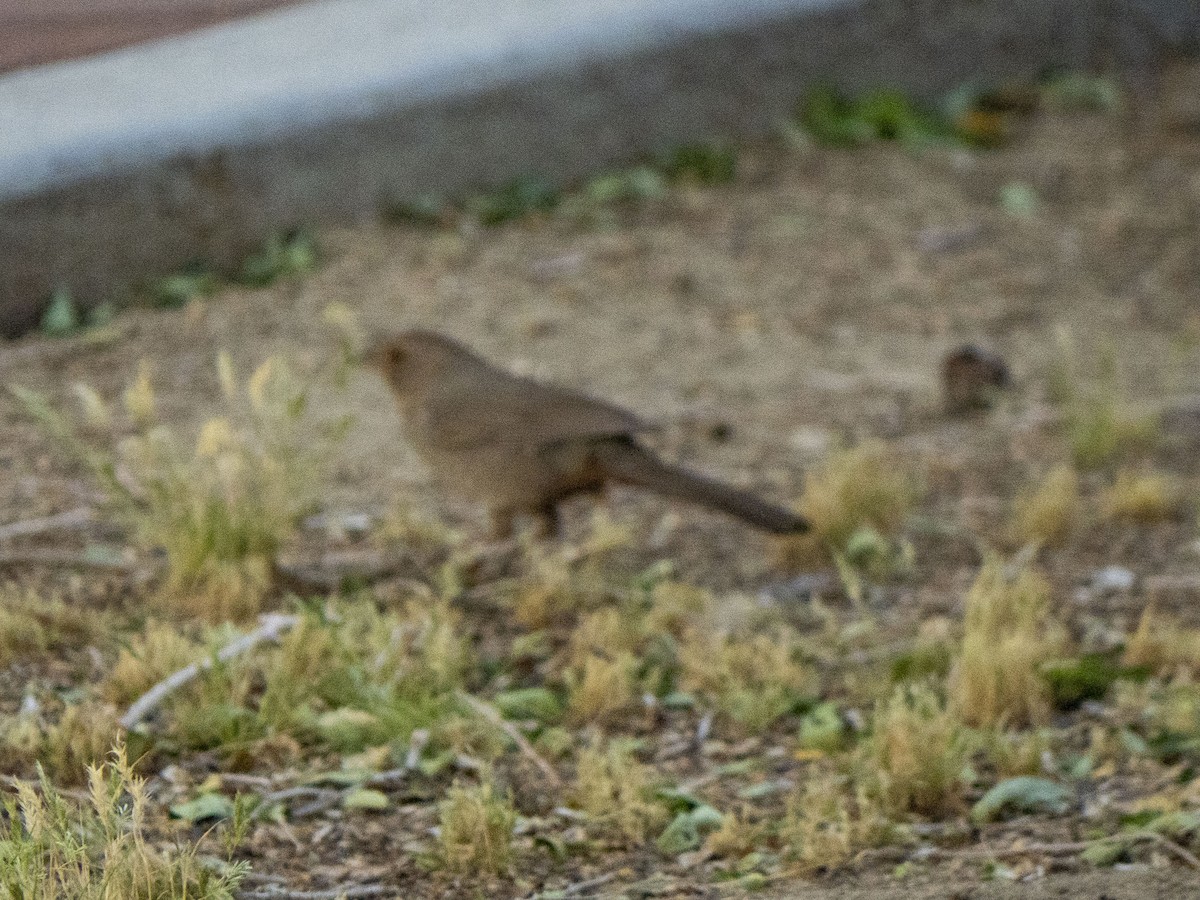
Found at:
[40, 31]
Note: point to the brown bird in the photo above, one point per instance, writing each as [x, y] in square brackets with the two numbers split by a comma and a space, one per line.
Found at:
[971, 379]
[522, 447]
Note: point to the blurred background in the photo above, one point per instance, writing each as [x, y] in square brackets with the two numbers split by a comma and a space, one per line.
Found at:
[925, 271]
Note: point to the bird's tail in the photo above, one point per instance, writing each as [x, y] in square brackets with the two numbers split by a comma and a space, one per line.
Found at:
[625, 462]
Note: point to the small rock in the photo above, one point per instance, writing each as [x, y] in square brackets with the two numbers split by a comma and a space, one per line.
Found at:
[551, 267]
[811, 440]
[1112, 580]
[948, 239]
[348, 523]
[800, 589]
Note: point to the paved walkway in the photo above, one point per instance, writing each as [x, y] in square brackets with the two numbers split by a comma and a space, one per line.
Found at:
[39, 31]
[128, 165]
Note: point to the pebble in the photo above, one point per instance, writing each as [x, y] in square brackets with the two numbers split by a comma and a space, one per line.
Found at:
[811, 441]
[1112, 580]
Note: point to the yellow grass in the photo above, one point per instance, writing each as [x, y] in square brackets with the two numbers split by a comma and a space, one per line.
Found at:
[1008, 635]
[1047, 511]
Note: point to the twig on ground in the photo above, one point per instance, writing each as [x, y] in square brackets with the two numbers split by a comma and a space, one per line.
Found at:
[352, 892]
[293, 793]
[64, 521]
[272, 627]
[1059, 848]
[416, 746]
[579, 887]
[241, 780]
[322, 799]
[328, 800]
[489, 712]
[334, 569]
[65, 559]
[1063, 848]
[1173, 848]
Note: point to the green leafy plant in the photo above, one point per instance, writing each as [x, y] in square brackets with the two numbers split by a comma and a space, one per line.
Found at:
[832, 118]
[1023, 794]
[516, 199]
[703, 163]
[61, 317]
[290, 253]
[174, 291]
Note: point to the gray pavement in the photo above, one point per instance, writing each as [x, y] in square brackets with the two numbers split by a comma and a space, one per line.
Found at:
[128, 165]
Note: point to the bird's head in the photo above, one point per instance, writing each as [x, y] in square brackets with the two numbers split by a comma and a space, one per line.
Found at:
[412, 360]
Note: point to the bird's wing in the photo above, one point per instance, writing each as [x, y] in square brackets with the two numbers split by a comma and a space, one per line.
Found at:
[520, 411]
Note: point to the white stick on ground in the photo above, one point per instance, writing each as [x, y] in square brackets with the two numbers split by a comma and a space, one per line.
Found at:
[493, 715]
[271, 627]
[348, 893]
[64, 521]
[65, 559]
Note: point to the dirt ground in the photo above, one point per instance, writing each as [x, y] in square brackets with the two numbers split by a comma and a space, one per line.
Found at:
[1086, 886]
[763, 323]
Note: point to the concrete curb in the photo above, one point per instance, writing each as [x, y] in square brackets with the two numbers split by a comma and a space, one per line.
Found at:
[128, 165]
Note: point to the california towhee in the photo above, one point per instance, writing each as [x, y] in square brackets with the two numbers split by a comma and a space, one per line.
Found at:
[521, 446]
[971, 378]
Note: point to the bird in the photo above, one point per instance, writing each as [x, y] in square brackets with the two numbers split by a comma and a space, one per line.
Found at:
[971, 379]
[521, 447]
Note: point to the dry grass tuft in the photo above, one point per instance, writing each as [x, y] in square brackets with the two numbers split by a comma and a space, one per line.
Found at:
[567, 580]
[753, 680]
[363, 677]
[220, 506]
[853, 488]
[80, 739]
[675, 607]
[1049, 510]
[617, 792]
[738, 835]
[1102, 425]
[150, 656]
[1009, 634]
[1014, 753]
[828, 821]
[600, 688]
[101, 849]
[916, 754]
[1141, 497]
[864, 488]
[476, 830]
[1163, 645]
[605, 632]
[32, 624]
[1104, 428]
[348, 677]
